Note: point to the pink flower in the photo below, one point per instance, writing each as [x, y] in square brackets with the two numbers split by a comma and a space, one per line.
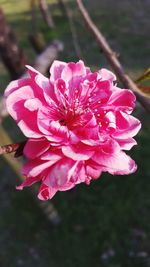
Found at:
[77, 122]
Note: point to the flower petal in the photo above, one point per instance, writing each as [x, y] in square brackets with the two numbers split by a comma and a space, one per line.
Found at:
[15, 101]
[77, 152]
[46, 192]
[35, 148]
[107, 75]
[73, 70]
[36, 167]
[128, 126]
[126, 144]
[117, 163]
[32, 104]
[58, 174]
[123, 99]
[28, 182]
[56, 70]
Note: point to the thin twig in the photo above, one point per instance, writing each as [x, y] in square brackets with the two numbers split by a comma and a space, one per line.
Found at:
[69, 15]
[33, 16]
[46, 14]
[11, 148]
[111, 57]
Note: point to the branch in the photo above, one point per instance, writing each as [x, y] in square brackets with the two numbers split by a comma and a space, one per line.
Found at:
[11, 54]
[69, 15]
[46, 14]
[111, 57]
[11, 148]
[33, 16]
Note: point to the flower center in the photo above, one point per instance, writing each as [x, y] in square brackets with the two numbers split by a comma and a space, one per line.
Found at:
[75, 105]
[71, 117]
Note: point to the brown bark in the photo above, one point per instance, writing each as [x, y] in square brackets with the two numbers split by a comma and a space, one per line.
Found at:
[13, 148]
[69, 15]
[46, 13]
[36, 38]
[33, 15]
[11, 55]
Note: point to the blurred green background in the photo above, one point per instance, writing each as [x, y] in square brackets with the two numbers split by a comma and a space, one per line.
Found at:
[106, 223]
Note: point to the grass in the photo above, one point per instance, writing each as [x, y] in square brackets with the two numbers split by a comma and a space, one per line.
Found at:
[110, 215]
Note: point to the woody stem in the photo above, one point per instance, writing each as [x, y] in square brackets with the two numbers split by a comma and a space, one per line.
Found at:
[17, 148]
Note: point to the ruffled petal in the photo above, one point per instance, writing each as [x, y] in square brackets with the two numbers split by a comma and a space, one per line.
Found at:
[46, 192]
[127, 126]
[72, 70]
[123, 99]
[65, 174]
[36, 167]
[36, 147]
[37, 82]
[28, 182]
[116, 163]
[29, 127]
[32, 104]
[15, 101]
[93, 173]
[77, 152]
[126, 144]
[56, 70]
[107, 75]
[58, 174]
[15, 85]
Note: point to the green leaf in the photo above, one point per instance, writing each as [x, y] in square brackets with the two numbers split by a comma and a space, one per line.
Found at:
[145, 89]
[144, 76]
